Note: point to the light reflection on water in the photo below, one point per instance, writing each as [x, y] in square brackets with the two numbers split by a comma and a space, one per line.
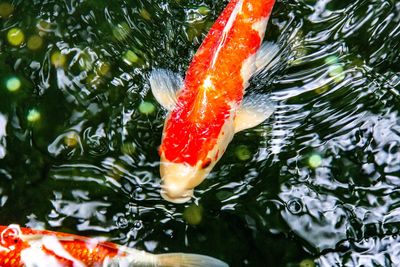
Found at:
[72, 132]
[3, 134]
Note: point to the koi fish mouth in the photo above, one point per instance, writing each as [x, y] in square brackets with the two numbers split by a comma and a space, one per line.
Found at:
[176, 196]
[179, 180]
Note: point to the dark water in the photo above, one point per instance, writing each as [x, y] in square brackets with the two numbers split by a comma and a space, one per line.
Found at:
[316, 184]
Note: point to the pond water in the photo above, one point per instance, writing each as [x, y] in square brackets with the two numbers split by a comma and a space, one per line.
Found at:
[317, 184]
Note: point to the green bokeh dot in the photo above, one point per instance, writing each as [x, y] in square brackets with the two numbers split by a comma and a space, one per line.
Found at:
[203, 10]
[15, 36]
[331, 60]
[35, 42]
[121, 31]
[13, 84]
[243, 153]
[33, 116]
[6, 9]
[193, 214]
[307, 263]
[146, 108]
[58, 59]
[130, 57]
[315, 161]
[128, 148]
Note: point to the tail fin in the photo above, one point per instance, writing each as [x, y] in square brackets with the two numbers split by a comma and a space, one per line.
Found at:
[188, 260]
[134, 257]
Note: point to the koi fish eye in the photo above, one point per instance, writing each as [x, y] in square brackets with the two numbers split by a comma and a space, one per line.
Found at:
[10, 236]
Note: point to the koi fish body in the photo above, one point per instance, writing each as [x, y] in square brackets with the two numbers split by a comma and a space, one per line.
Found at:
[207, 109]
[40, 248]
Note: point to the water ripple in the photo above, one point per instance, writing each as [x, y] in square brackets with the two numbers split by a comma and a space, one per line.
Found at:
[318, 180]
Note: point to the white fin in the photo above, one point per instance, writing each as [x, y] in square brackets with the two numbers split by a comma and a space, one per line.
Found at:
[188, 260]
[254, 110]
[140, 258]
[164, 85]
[266, 56]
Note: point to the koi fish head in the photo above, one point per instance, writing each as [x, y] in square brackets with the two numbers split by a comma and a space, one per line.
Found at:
[180, 178]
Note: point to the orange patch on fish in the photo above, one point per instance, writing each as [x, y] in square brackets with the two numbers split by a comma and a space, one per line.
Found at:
[211, 95]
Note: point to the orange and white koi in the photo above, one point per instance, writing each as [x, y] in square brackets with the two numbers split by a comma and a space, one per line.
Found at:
[208, 107]
[41, 248]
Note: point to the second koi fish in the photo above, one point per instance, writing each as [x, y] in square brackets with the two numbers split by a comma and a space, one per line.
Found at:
[207, 108]
[39, 248]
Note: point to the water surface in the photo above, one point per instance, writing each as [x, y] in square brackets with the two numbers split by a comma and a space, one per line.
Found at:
[316, 184]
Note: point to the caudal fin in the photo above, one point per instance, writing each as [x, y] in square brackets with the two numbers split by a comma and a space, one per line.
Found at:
[188, 260]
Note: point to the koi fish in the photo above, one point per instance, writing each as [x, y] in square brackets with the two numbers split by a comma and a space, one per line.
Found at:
[41, 248]
[208, 107]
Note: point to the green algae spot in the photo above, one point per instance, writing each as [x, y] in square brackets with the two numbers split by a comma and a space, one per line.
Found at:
[331, 60]
[15, 36]
[307, 263]
[128, 148]
[336, 71]
[6, 9]
[145, 14]
[130, 57]
[58, 59]
[322, 89]
[103, 68]
[71, 140]
[315, 161]
[243, 153]
[203, 10]
[33, 116]
[193, 214]
[35, 42]
[121, 31]
[13, 84]
[146, 108]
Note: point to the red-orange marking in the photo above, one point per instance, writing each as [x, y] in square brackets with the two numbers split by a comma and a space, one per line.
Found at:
[193, 127]
[77, 247]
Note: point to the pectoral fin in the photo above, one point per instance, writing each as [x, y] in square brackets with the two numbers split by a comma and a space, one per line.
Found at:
[267, 56]
[164, 86]
[254, 110]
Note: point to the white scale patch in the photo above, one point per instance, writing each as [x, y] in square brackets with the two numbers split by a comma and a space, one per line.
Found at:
[260, 26]
[248, 69]
[34, 256]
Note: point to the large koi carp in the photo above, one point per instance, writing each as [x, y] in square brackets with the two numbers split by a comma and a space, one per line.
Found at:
[208, 107]
[39, 248]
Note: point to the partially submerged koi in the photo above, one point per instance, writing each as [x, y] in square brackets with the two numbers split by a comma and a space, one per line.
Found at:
[208, 108]
[41, 248]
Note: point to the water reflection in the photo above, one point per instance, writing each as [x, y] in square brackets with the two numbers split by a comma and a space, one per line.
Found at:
[318, 180]
[3, 144]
